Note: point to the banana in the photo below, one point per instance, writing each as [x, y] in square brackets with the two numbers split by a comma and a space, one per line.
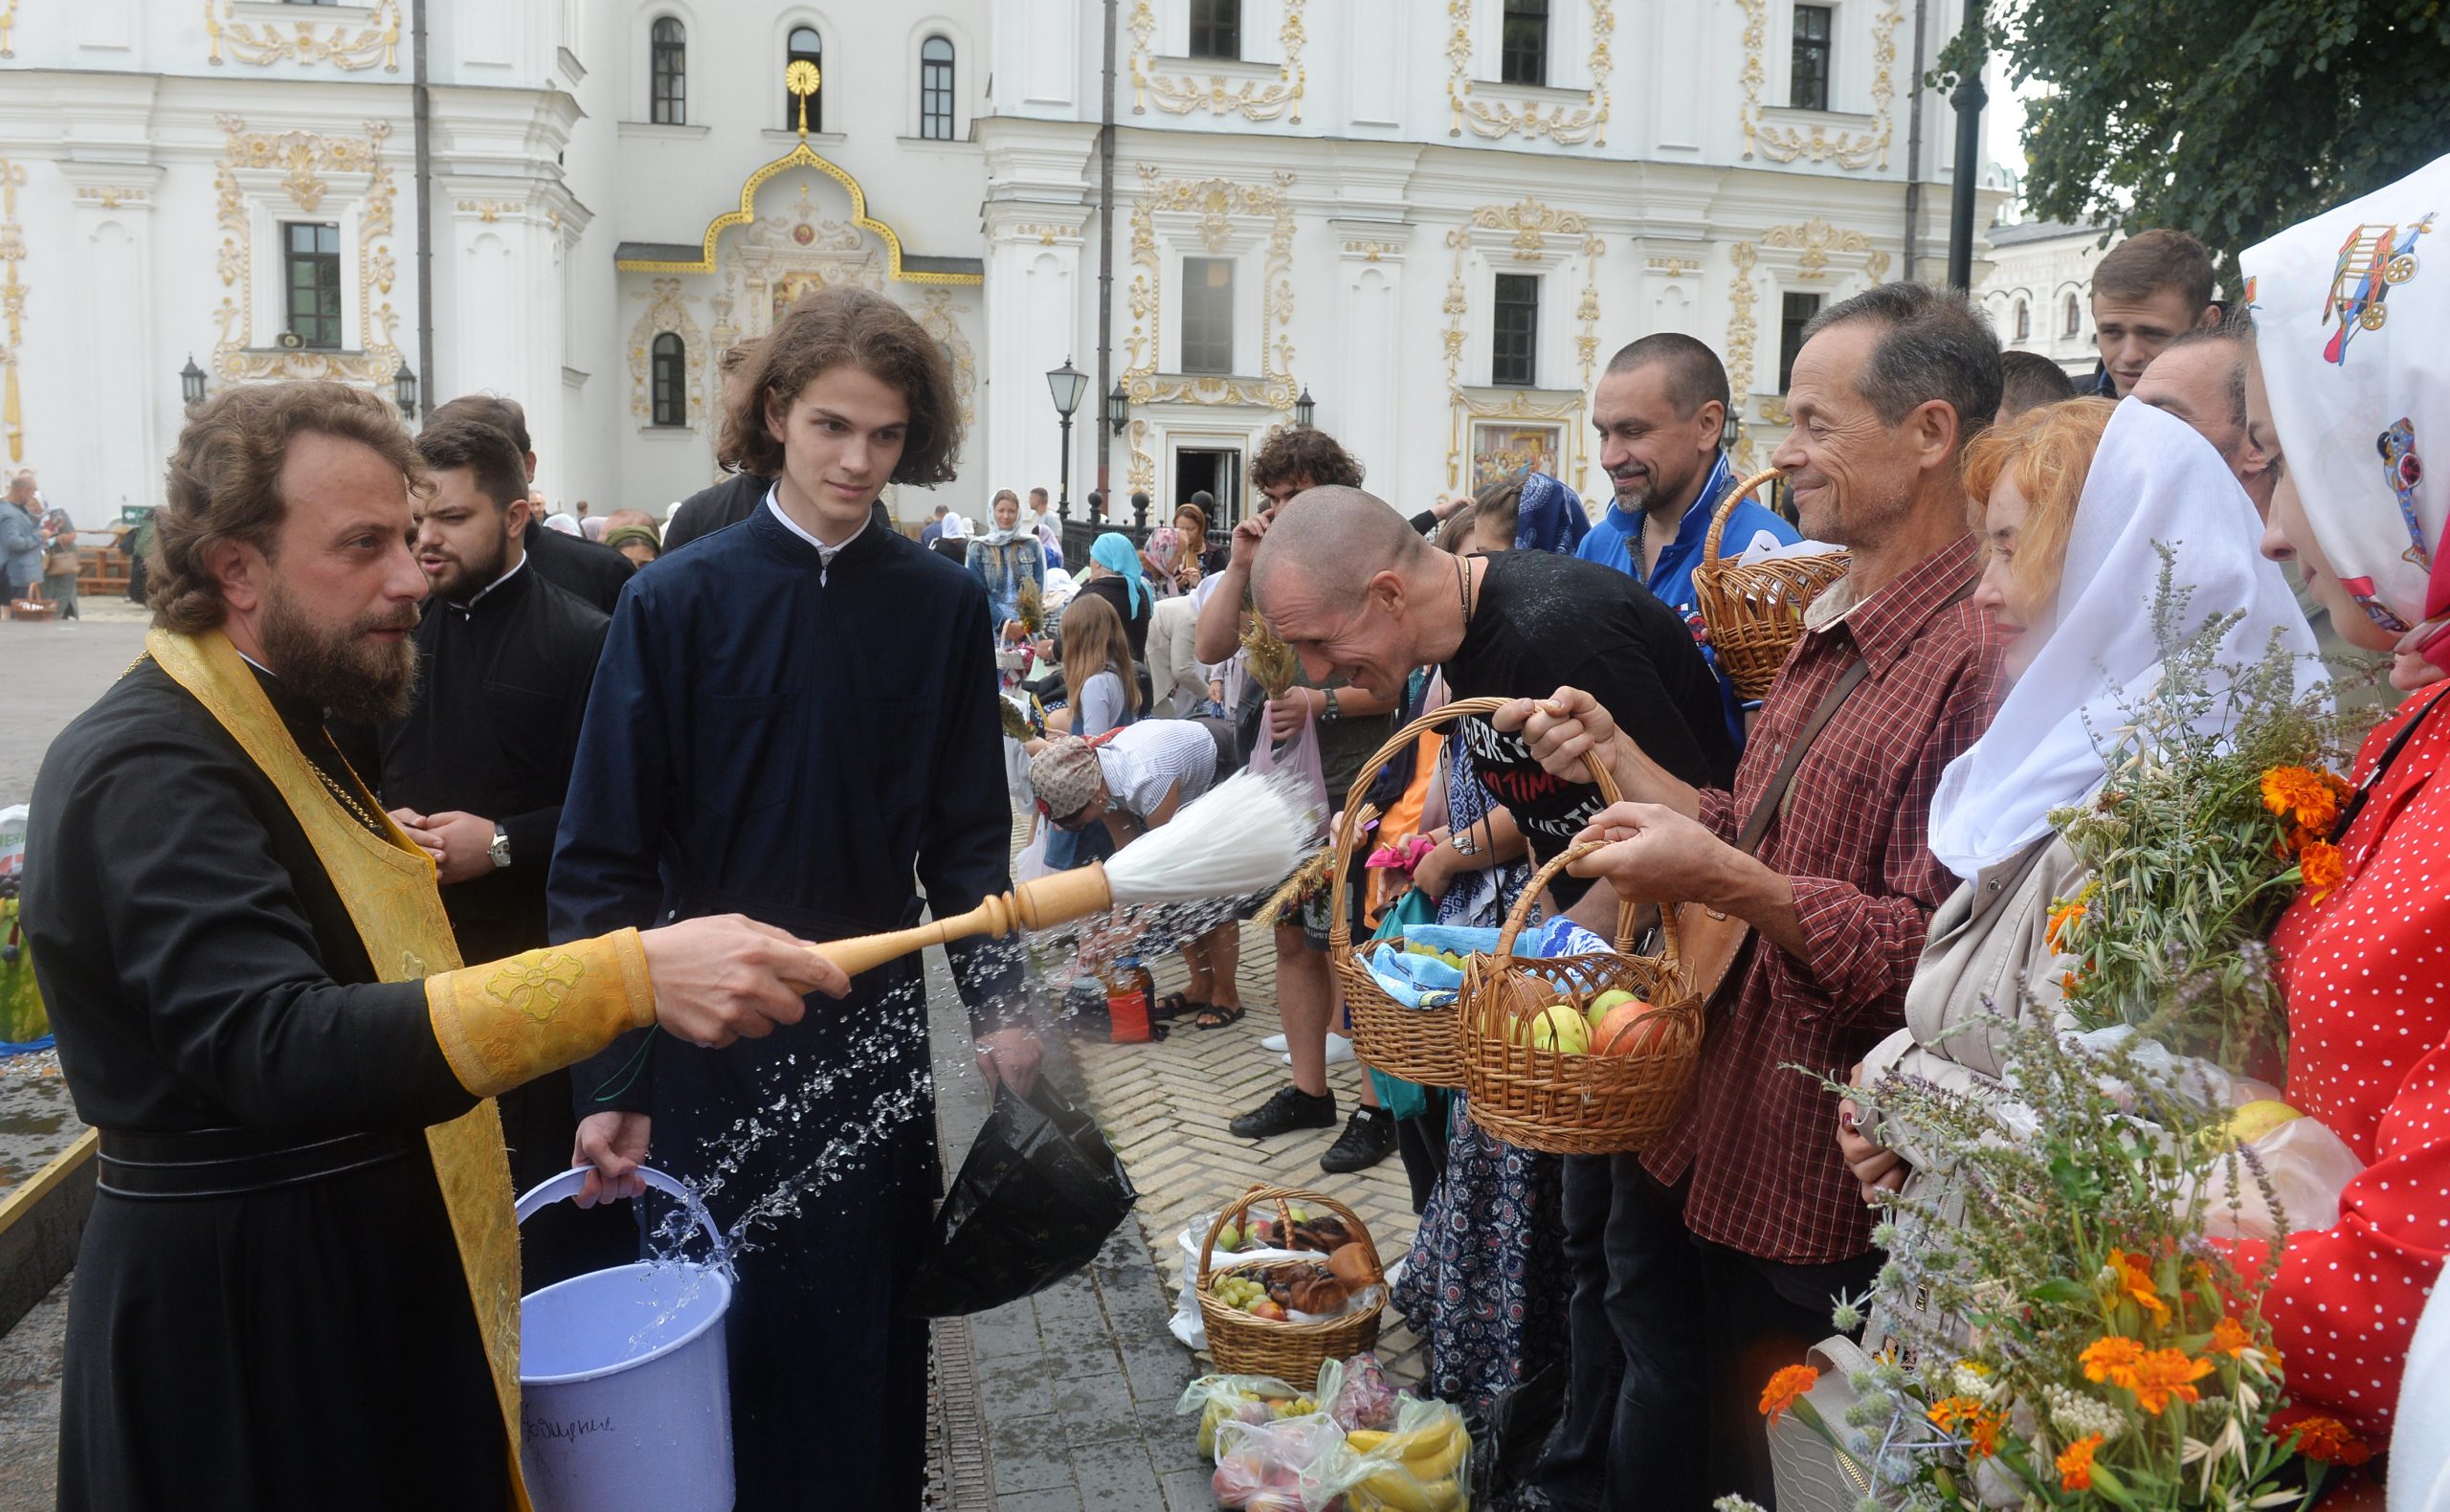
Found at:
[1438, 1461]
[1401, 1492]
[1364, 1440]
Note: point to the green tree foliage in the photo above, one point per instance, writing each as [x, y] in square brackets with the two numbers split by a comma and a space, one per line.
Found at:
[2229, 119]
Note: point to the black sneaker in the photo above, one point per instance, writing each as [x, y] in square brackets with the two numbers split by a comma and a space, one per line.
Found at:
[1369, 1139]
[1290, 1109]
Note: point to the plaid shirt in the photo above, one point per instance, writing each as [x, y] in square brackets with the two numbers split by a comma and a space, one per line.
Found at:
[1759, 1139]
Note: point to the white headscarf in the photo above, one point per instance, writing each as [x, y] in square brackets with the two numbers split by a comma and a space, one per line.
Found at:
[2352, 326]
[956, 528]
[2154, 480]
[562, 524]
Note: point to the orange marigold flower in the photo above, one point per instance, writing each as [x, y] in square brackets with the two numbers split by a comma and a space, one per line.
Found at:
[2324, 868]
[1790, 1382]
[2297, 791]
[2076, 1465]
[2135, 1280]
[2229, 1337]
[1982, 1435]
[1950, 1411]
[2330, 1440]
[2112, 1359]
[2165, 1373]
[2061, 916]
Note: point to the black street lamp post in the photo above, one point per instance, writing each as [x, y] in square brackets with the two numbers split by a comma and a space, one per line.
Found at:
[404, 390]
[191, 382]
[1066, 383]
[1304, 409]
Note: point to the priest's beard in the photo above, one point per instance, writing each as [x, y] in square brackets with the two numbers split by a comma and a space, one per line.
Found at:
[345, 670]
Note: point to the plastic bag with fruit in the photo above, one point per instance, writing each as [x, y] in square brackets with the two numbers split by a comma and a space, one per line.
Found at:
[1288, 1465]
[1253, 1399]
[1422, 1464]
[2296, 1163]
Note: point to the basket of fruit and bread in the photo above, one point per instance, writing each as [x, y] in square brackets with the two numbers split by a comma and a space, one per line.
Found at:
[1578, 1055]
[1286, 1318]
[1420, 1044]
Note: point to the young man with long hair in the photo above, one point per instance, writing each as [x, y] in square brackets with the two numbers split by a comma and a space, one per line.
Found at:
[793, 719]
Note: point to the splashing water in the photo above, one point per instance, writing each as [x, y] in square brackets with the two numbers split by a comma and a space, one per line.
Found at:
[1171, 885]
[1247, 833]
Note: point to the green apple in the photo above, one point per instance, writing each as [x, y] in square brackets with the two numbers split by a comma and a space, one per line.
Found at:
[1560, 1029]
[1600, 1004]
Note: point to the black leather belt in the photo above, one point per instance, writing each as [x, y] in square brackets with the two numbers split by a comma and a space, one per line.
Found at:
[232, 1163]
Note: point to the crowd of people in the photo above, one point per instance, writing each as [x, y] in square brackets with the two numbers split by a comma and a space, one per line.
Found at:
[393, 718]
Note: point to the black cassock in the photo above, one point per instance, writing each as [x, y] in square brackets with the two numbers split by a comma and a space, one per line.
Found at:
[591, 569]
[772, 737]
[502, 687]
[307, 1345]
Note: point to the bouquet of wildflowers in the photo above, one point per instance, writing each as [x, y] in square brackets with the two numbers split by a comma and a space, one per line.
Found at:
[2069, 1338]
[2217, 810]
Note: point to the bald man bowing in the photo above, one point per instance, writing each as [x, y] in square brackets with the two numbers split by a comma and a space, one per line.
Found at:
[1358, 595]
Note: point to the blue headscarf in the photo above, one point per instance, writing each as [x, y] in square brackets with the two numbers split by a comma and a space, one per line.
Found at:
[1113, 551]
[1550, 519]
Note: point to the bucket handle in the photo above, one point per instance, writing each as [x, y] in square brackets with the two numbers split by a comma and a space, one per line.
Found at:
[565, 1186]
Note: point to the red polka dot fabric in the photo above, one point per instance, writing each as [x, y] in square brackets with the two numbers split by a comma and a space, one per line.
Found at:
[2366, 975]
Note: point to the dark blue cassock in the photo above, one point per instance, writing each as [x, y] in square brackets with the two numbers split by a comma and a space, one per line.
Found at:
[771, 737]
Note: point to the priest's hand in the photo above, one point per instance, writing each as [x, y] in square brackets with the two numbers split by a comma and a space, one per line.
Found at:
[718, 979]
[613, 1146]
[1010, 1056]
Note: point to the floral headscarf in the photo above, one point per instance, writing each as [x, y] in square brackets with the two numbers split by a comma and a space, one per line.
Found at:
[2352, 326]
[1551, 518]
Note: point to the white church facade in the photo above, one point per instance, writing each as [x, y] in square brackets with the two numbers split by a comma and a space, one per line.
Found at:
[1434, 218]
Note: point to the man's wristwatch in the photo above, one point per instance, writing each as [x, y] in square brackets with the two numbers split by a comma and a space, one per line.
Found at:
[499, 852]
[1327, 710]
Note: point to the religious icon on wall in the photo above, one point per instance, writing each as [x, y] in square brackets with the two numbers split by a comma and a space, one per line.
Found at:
[791, 287]
[1501, 449]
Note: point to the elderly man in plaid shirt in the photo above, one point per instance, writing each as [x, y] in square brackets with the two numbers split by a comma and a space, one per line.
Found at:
[1712, 1259]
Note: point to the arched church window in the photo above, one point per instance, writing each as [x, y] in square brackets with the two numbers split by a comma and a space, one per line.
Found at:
[936, 90]
[668, 52]
[668, 380]
[805, 47]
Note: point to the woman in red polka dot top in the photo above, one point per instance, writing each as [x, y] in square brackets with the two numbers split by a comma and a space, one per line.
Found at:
[2365, 968]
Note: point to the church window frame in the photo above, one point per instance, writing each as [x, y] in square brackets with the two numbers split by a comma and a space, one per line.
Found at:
[937, 61]
[668, 381]
[814, 54]
[668, 72]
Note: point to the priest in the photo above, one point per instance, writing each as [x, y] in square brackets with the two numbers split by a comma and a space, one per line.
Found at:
[299, 1284]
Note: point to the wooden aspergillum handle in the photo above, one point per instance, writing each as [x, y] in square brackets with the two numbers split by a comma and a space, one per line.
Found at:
[1049, 901]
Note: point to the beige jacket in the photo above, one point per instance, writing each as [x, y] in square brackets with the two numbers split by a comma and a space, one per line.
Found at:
[1987, 954]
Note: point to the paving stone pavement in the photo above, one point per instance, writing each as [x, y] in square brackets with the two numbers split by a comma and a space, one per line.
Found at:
[1076, 1385]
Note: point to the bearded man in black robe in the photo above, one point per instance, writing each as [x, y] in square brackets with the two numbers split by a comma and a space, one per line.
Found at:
[298, 1287]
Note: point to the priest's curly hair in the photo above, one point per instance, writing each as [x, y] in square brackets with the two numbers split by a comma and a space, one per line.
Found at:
[223, 483]
[827, 329]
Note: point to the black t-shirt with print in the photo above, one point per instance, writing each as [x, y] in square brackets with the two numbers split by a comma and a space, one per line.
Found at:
[1541, 622]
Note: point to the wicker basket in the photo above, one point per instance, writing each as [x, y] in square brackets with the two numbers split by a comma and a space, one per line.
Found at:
[1586, 1104]
[1420, 1045]
[1755, 612]
[1290, 1352]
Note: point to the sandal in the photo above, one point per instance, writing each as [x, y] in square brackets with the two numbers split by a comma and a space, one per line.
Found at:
[1173, 1005]
[1220, 1015]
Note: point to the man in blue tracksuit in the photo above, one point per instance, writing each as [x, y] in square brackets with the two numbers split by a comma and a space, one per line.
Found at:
[1661, 409]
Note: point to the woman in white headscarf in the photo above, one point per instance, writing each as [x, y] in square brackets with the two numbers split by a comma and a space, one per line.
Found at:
[2347, 390]
[2075, 498]
[1008, 561]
